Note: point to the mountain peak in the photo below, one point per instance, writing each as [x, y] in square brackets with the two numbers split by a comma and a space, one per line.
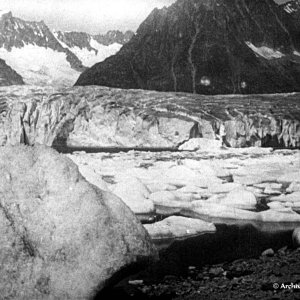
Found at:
[42, 56]
[5, 14]
[207, 47]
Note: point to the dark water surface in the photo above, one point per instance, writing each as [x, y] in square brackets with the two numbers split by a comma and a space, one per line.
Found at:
[71, 149]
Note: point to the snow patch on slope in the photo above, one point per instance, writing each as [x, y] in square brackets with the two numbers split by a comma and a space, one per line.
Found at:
[89, 58]
[61, 42]
[296, 53]
[40, 66]
[265, 52]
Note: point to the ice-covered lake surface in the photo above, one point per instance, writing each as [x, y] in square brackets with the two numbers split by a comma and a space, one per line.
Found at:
[167, 189]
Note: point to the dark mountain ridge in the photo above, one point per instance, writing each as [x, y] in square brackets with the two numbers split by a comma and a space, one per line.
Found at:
[83, 39]
[8, 76]
[208, 47]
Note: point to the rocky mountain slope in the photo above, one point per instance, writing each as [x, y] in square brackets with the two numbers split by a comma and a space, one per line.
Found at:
[105, 117]
[8, 76]
[44, 57]
[209, 47]
[114, 36]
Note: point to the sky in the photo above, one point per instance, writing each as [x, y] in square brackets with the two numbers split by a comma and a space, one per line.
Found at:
[92, 16]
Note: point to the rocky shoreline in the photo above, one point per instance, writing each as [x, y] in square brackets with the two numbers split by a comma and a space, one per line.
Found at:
[269, 276]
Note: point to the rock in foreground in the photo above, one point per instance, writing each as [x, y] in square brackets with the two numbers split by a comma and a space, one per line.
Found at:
[60, 237]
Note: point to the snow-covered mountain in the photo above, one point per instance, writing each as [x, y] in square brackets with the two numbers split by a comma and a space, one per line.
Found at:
[45, 57]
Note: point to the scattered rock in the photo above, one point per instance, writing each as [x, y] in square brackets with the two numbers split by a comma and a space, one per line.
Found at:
[216, 271]
[296, 237]
[268, 252]
[136, 282]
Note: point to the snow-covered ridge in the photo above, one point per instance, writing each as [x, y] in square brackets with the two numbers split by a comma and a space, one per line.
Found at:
[89, 58]
[40, 66]
[86, 48]
[45, 57]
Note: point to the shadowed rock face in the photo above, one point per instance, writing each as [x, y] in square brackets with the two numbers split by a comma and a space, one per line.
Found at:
[60, 236]
[8, 76]
[208, 47]
[99, 117]
[114, 36]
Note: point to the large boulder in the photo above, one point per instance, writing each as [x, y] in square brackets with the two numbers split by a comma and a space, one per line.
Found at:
[60, 236]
